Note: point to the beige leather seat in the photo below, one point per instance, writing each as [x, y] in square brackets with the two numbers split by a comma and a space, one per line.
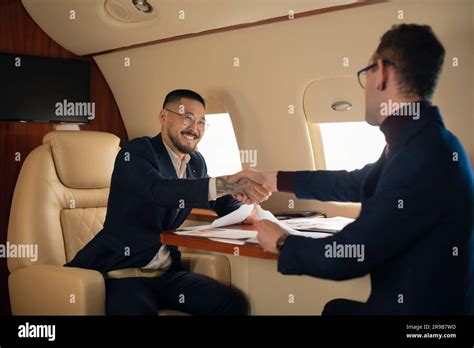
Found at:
[59, 204]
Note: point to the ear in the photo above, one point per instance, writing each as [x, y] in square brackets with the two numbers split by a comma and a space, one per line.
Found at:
[162, 116]
[381, 75]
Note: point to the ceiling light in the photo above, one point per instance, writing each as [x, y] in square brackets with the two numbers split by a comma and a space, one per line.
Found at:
[143, 6]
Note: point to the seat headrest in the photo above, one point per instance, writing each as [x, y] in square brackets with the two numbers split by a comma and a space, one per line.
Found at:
[83, 159]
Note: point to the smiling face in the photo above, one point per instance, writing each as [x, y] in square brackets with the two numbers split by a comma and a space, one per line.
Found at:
[182, 138]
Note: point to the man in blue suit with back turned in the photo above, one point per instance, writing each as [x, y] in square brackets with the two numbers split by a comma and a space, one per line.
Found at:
[417, 199]
[155, 184]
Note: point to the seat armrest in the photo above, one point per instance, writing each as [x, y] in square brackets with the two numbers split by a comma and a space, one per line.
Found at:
[56, 290]
[213, 266]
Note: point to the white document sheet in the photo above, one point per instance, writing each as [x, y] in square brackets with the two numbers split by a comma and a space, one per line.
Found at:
[215, 231]
[236, 217]
[330, 225]
[230, 241]
[266, 215]
[314, 235]
[263, 214]
[219, 233]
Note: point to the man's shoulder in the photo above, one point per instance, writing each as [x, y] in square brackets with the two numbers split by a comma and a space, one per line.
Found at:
[438, 146]
[429, 158]
[141, 145]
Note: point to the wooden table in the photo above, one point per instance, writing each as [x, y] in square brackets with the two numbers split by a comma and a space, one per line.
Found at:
[248, 249]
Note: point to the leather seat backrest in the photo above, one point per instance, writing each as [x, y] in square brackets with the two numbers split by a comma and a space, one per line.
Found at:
[60, 197]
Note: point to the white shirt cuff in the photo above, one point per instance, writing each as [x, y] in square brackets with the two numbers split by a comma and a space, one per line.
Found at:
[212, 193]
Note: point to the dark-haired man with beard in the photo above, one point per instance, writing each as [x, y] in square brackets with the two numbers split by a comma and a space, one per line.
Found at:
[155, 184]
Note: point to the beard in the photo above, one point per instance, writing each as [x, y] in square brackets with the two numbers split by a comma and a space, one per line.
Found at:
[183, 148]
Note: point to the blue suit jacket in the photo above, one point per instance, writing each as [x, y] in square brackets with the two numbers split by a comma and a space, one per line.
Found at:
[145, 195]
[415, 223]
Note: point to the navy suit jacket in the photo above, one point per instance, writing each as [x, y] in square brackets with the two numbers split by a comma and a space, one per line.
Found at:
[145, 195]
[415, 223]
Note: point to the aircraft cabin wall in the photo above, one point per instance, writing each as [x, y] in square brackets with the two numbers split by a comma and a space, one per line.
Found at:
[277, 62]
[258, 74]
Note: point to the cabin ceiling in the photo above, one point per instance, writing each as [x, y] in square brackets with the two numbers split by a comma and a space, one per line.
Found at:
[102, 25]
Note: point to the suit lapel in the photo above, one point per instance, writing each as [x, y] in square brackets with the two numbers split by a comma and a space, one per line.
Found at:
[191, 171]
[183, 213]
[167, 169]
[164, 160]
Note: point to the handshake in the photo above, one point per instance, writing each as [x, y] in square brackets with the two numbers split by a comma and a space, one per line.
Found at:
[248, 186]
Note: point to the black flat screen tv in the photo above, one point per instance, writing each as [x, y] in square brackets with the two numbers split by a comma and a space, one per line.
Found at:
[44, 89]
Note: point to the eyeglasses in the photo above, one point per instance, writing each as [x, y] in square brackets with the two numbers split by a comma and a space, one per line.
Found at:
[189, 119]
[362, 73]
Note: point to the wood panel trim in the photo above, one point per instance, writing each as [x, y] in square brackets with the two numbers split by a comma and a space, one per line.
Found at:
[359, 3]
[203, 215]
[19, 34]
[203, 212]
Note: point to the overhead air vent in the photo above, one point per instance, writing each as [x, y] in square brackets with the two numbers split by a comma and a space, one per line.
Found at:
[130, 11]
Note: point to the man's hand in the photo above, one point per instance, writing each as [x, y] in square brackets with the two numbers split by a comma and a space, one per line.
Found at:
[244, 190]
[268, 235]
[251, 219]
[268, 180]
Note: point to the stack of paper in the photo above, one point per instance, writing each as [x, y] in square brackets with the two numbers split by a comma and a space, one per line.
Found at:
[330, 225]
[300, 227]
[266, 215]
[236, 217]
[219, 233]
[225, 235]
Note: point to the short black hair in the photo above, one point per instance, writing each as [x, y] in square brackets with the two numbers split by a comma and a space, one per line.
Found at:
[177, 94]
[418, 56]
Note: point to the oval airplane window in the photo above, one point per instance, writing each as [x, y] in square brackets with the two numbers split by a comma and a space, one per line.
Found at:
[219, 144]
[350, 145]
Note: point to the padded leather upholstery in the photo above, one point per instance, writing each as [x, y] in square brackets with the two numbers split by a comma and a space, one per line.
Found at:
[60, 203]
[41, 197]
[56, 290]
[80, 225]
[83, 162]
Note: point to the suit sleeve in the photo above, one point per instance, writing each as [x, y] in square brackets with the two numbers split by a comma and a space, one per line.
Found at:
[225, 205]
[326, 185]
[138, 176]
[390, 221]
